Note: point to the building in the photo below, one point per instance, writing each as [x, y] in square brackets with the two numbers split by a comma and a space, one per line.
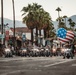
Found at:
[19, 31]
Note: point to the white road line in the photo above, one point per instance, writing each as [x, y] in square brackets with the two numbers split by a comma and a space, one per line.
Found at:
[74, 65]
[58, 63]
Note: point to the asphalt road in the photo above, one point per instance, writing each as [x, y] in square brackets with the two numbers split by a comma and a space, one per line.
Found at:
[37, 66]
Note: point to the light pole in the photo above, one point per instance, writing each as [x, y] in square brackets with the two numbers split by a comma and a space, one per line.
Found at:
[13, 21]
[2, 19]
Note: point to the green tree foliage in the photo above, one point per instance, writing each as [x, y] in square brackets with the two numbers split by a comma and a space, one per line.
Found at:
[35, 16]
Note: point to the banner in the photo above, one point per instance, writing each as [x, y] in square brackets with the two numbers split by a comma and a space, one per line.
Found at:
[23, 36]
[65, 35]
[7, 35]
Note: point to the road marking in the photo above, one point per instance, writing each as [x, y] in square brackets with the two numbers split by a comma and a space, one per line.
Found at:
[58, 63]
[73, 64]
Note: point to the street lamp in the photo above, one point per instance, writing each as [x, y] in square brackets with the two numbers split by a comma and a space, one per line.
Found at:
[13, 21]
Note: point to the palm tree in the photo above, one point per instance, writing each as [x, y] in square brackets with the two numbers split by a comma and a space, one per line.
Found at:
[65, 19]
[50, 30]
[30, 24]
[70, 22]
[60, 19]
[73, 25]
[36, 11]
[45, 21]
[58, 9]
[62, 25]
[36, 17]
[30, 18]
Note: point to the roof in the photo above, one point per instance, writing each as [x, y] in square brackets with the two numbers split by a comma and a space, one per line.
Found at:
[21, 29]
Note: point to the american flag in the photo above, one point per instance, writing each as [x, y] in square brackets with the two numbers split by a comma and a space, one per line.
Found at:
[64, 35]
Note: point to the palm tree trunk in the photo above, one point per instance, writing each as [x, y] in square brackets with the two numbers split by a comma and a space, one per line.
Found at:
[36, 36]
[40, 32]
[44, 33]
[40, 35]
[65, 22]
[48, 34]
[32, 36]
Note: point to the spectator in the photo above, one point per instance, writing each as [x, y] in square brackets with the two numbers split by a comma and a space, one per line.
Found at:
[72, 48]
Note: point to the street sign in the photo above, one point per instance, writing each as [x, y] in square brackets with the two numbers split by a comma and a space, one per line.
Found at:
[1, 36]
[7, 35]
[23, 36]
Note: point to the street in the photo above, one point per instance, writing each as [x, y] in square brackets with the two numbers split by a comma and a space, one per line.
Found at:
[37, 66]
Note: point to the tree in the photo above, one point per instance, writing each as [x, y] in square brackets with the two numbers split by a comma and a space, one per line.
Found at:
[58, 9]
[65, 19]
[36, 17]
[60, 19]
[71, 23]
[30, 18]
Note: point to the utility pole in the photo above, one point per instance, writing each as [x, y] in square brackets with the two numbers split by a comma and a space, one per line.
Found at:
[13, 21]
[2, 20]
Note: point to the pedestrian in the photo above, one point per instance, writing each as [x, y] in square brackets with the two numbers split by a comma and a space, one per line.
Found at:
[12, 49]
[72, 48]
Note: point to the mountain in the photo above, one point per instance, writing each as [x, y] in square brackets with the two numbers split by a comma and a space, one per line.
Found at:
[10, 22]
[67, 23]
[73, 18]
[20, 24]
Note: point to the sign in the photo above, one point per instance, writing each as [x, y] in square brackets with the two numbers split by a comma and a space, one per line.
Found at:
[7, 35]
[1, 36]
[23, 36]
[10, 32]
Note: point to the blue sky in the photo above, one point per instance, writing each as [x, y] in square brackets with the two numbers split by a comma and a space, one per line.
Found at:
[68, 7]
